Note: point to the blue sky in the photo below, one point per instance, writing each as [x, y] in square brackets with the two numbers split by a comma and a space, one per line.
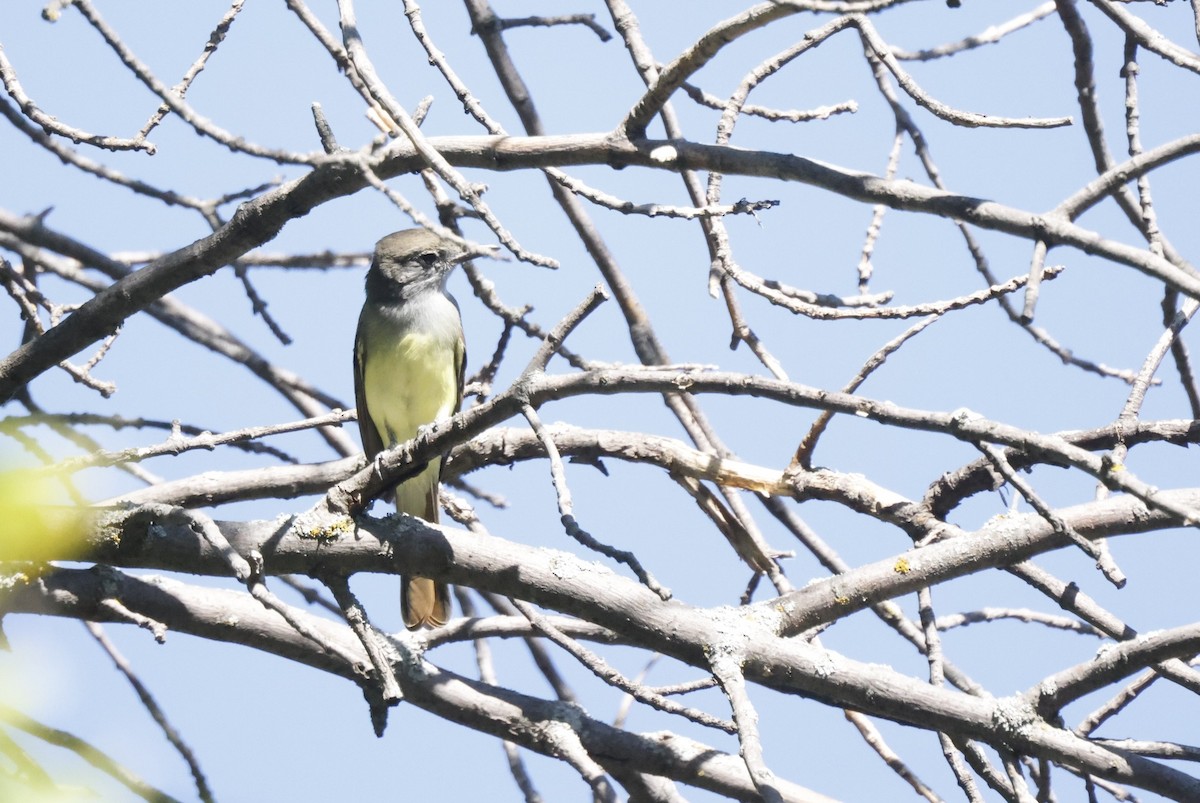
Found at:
[266, 730]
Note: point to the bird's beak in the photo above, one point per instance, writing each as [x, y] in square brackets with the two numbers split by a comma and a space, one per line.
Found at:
[488, 251]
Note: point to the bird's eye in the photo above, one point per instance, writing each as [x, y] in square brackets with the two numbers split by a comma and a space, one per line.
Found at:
[428, 258]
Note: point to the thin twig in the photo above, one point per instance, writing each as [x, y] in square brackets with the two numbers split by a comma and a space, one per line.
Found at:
[988, 36]
[1104, 560]
[601, 669]
[155, 711]
[876, 742]
[180, 89]
[882, 51]
[201, 439]
[186, 113]
[250, 575]
[52, 125]
[566, 509]
[586, 20]
[487, 673]
[385, 692]
[470, 193]
[728, 672]
[86, 751]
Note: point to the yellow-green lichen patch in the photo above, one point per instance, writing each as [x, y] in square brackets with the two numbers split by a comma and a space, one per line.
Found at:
[331, 531]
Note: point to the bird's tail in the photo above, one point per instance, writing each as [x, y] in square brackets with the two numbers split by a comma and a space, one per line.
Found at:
[423, 602]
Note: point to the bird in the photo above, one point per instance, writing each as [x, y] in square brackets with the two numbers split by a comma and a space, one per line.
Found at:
[409, 357]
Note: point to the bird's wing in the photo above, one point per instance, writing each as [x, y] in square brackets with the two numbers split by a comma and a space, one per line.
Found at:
[372, 443]
[460, 357]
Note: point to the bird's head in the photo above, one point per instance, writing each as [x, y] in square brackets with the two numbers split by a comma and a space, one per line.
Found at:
[411, 262]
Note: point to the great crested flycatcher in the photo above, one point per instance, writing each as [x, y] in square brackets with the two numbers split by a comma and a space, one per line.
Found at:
[409, 355]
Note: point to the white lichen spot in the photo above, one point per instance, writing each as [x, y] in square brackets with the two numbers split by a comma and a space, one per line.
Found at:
[664, 154]
[563, 568]
[824, 666]
[10, 582]
[1013, 715]
[964, 415]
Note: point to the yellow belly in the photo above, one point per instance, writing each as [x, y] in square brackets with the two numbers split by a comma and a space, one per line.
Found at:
[410, 383]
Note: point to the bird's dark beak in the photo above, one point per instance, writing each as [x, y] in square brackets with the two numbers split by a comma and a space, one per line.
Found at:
[487, 251]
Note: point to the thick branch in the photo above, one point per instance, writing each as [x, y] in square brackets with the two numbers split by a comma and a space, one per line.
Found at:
[258, 221]
[561, 581]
